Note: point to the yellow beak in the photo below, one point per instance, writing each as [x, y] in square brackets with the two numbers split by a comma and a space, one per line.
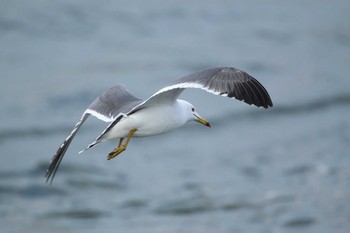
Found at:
[203, 121]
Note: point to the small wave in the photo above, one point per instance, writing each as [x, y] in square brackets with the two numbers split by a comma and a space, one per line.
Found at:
[92, 184]
[76, 214]
[134, 204]
[185, 206]
[30, 191]
[198, 204]
[299, 222]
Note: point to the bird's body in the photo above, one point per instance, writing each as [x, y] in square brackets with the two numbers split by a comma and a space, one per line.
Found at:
[130, 117]
[149, 122]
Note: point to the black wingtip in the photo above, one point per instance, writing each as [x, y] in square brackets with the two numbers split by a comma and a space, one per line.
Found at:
[58, 156]
[235, 83]
[256, 93]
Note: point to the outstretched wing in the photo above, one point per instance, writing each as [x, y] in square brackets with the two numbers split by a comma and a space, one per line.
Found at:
[111, 103]
[109, 106]
[224, 81]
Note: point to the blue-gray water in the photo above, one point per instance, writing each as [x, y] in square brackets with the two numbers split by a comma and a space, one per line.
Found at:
[285, 169]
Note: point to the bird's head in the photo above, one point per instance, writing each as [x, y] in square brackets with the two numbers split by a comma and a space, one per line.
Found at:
[192, 114]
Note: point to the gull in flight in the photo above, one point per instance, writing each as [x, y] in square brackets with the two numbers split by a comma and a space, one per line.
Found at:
[129, 116]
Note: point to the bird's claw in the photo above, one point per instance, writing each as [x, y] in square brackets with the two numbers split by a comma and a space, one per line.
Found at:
[116, 152]
[121, 147]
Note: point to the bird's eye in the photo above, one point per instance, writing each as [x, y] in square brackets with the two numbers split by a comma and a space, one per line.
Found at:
[192, 109]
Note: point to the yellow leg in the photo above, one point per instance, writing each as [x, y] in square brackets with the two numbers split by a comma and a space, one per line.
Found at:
[121, 147]
[120, 142]
[117, 150]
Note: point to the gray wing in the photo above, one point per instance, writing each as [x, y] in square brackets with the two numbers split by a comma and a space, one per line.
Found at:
[111, 103]
[224, 81]
[109, 106]
[116, 102]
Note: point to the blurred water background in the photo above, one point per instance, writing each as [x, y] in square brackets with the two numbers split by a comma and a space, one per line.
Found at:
[285, 169]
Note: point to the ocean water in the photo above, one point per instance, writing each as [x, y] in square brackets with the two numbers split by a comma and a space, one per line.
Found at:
[285, 169]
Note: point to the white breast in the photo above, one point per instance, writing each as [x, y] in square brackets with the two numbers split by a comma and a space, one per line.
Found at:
[150, 121]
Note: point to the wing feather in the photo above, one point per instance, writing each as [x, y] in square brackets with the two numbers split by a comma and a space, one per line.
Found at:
[111, 103]
[108, 107]
[58, 156]
[225, 81]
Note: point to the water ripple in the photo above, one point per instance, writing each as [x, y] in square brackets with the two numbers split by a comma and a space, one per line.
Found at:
[299, 221]
[30, 191]
[76, 214]
[184, 206]
[315, 105]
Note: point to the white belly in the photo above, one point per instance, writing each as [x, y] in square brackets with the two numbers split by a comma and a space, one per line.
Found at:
[148, 121]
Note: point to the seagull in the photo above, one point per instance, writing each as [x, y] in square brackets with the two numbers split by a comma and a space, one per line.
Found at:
[129, 116]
